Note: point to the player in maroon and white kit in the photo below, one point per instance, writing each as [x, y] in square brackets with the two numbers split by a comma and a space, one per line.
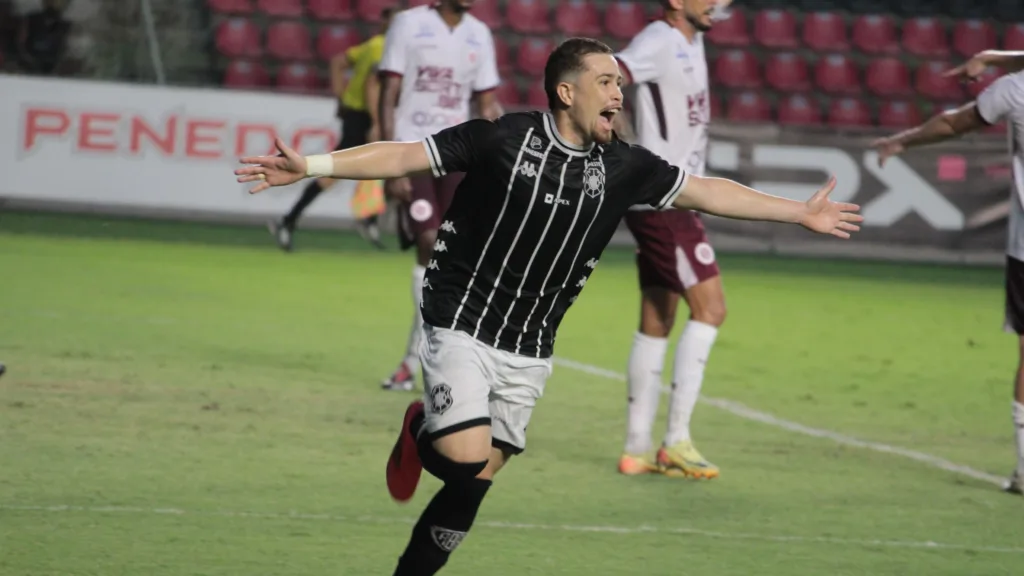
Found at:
[666, 63]
[436, 60]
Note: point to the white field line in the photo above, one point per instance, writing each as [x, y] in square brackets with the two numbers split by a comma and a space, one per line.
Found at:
[742, 411]
[776, 538]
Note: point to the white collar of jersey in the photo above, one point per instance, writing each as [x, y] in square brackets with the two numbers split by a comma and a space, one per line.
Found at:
[561, 143]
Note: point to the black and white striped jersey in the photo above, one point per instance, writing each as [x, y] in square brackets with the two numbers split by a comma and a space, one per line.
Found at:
[528, 224]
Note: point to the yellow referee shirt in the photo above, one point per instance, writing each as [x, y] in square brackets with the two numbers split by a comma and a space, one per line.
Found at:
[363, 59]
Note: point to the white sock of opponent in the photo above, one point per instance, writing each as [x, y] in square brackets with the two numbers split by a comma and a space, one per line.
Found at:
[691, 355]
[1018, 424]
[646, 360]
[412, 351]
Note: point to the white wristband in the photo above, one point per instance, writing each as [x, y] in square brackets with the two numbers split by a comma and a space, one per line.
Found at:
[319, 166]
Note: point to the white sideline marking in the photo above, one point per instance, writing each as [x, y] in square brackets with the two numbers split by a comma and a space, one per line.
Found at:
[742, 411]
[850, 542]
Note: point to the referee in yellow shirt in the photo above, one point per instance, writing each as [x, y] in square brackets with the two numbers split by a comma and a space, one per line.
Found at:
[358, 123]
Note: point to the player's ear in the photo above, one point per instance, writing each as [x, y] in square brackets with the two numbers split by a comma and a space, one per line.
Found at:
[565, 93]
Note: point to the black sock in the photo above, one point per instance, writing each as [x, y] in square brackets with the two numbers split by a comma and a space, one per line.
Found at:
[312, 190]
[441, 527]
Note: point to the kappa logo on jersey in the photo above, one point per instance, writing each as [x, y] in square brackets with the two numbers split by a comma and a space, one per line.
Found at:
[440, 246]
[582, 282]
[593, 178]
[550, 199]
[432, 265]
[528, 169]
[446, 539]
[592, 263]
[447, 226]
[441, 398]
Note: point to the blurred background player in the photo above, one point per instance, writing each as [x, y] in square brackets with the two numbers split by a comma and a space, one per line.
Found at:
[1002, 99]
[354, 82]
[672, 107]
[436, 60]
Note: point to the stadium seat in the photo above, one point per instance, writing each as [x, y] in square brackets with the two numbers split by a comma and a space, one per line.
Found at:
[289, 41]
[730, 32]
[1013, 37]
[775, 29]
[987, 78]
[973, 36]
[578, 18]
[887, 77]
[925, 37]
[369, 10]
[825, 31]
[737, 69]
[536, 98]
[238, 38]
[875, 34]
[502, 56]
[787, 71]
[330, 10]
[297, 77]
[799, 110]
[898, 114]
[533, 54]
[837, 74]
[230, 6]
[849, 112]
[930, 82]
[749, 106]
[623, 19]
[489, 13]
[508, 94]
[280, 8]
[716, 105]
[528, 16]
[333, 40]
[245, 74]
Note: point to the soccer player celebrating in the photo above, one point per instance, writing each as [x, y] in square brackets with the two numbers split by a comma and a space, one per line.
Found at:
[1003, 99]
[542, 196]
[436, 60]
[672, 108]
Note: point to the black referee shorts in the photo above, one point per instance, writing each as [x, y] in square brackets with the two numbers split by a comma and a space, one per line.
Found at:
[1014, 321]
[354, 126]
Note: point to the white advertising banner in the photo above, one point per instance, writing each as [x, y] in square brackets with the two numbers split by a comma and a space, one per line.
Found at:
[123, 146]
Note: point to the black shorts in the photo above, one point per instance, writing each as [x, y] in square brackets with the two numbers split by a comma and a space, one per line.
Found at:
[354, 126]
[1014, 320]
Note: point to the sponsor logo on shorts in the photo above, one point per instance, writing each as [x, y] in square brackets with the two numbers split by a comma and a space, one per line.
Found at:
[446, 539]
[440, 398]
[421, 210]
[704, 253]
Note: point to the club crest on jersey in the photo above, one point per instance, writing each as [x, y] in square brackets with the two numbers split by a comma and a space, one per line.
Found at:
[535, 143]
[441, 398]
[593, 178]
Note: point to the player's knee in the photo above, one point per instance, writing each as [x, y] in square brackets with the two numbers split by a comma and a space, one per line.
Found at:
[458, 469]
[712, 313]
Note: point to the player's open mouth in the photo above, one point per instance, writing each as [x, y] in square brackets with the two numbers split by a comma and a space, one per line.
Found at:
[609, 115]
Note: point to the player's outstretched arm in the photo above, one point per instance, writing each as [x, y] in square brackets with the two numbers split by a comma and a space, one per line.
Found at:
[948, 124]
[377, 161]
[971, 70]
[731, 199]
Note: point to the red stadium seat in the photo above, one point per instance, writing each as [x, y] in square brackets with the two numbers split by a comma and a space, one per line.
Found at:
[775, 29]
[786, 71]
[888, 77]
[749, 107]
[508, 94]
[716, 105]
[849, 112]
[825, 31]
[799, 110]
[280, 8]
[973, 36]
[623, 19]
[297, 77]
[230, 6]
[578, 18]
[731, 32]
[245, 74]
[369, 10]
[528, 16]
[502, 56]
[989, 76]
[875, 34]
[289, 41]
[738, 69]
[925, 37]
[536, 98]
[334, 40]
[837, 74]
[898, 114]
[488, 13]
[930, 82]
[238, 37]
[330, 10]
[1013, 38]
[533, 54]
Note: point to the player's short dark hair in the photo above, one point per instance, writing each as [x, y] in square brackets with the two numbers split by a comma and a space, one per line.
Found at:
[567, 59]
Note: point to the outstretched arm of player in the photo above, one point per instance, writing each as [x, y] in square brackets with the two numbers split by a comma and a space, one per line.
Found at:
[377, 161]
[488, 105]
[971, 70]
[948, 124]
[730, 199]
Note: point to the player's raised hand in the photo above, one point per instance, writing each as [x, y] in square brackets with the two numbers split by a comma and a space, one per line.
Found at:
[887, 148]
[286, 168]
[971, 70]
[827, 217]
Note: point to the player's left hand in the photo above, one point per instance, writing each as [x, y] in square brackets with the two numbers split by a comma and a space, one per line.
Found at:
[286, 168]
[827, 217]
[887, 148]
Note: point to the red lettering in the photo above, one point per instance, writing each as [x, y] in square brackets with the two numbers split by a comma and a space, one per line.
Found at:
[326, 142]
[88, 131]
[42, 121]
[193, 139]
[140, 129]
[242, 138]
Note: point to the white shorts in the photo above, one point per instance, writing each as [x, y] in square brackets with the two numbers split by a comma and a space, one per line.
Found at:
[468, 383]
